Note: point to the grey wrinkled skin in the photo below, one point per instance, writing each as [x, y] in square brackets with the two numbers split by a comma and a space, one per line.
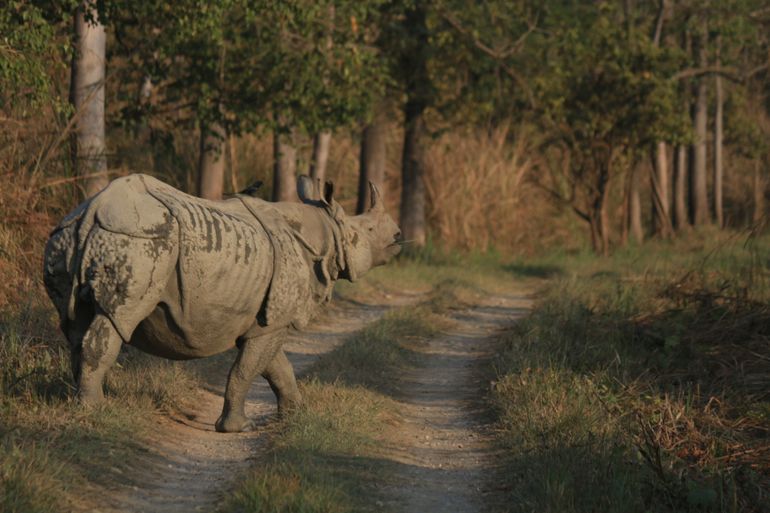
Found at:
[180, 277]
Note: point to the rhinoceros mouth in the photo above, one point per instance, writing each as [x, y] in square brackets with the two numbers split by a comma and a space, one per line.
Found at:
[393, 248]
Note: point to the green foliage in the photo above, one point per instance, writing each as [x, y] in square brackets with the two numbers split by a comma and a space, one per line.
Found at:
[246, 63]
[604, 88]
[27, 51]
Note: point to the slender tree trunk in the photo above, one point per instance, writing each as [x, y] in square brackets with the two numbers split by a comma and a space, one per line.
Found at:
[372, 162]
[322, 139]
[233, 163]
[759, 195]
[597, 215]
[415, 68]
[718, 148]
[211, 163]
[284, 167]
[87, 95]
[635, 208]
[321, 143]
[699, 209]
[661, 200]
[413, 177]
[681, 221]
[625, 222]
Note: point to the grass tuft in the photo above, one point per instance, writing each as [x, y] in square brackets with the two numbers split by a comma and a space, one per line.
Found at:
[372, 355]
[323, 454]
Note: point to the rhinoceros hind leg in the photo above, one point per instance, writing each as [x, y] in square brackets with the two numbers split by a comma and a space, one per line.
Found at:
[253, 357]
[97, 352]
[280, 375]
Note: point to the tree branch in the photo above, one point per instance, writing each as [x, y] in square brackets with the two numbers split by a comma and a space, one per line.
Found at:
[729, 73]
[659, 23]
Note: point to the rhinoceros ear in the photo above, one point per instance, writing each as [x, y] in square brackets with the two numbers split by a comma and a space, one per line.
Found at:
[307, 189]
[375, 198]
[328, 193]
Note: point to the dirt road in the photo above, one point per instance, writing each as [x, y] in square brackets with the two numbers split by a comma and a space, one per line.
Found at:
[442, 453]
[187, 465]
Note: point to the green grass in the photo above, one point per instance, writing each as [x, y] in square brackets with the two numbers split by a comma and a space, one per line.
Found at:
[48, 440]
[370, 356]
[324, 455]
[640, 383]
[462, 276]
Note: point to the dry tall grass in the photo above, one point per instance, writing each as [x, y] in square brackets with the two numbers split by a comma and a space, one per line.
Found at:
[479, 195]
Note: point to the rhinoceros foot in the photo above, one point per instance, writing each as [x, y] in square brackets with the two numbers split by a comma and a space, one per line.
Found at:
[235, 424]
[288, 404]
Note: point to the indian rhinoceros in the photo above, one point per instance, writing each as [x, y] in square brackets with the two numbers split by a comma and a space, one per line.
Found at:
[181, 277]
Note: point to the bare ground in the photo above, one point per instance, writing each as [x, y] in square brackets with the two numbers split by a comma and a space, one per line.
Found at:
[441, 454]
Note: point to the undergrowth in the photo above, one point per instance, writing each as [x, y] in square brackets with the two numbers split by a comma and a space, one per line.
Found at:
[48, 440]
[641, 386]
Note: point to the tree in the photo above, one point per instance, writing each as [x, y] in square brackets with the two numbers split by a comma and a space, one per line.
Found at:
[699, 209]
[87, 96]
[372, 161]
[211, 165]
[605, 94]
[234, 66]
[322, 139]
[635, 206]
[413, 64]
[321, 144]
[284, 166]
[661, 201]
[718, 146]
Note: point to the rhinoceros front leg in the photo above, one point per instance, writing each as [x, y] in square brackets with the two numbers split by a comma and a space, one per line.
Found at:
[253, 358]
[280, 375]
[93, 357]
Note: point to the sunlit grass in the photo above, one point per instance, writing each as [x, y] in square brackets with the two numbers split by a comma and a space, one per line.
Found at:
[639, 382]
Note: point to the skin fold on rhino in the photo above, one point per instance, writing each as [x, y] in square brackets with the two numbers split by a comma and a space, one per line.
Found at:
[180, 277]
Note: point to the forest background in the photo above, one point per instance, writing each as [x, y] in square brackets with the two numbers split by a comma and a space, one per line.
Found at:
[618, 150]
[510, 126]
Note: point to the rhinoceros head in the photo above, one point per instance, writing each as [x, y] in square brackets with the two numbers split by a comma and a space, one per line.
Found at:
[370, 239]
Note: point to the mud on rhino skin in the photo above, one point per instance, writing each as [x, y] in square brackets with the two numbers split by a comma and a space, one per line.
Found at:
[182, 277]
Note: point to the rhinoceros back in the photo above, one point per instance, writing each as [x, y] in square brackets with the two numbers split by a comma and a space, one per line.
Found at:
[90, 256]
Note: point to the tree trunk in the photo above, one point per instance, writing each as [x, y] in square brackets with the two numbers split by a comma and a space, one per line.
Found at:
[597, 215]
[321, 143]
[233, 163]
[699, 209]
[284, 167]
[759, 195]
[635, 208]
[372, 162]
[211, 163]
[661, 201]
[413, 177]
[718, 149]
[87, 95]
[414, 67]
[681, 221]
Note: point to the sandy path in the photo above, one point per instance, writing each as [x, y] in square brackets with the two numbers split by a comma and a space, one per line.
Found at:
[188, 466]
[442, 455]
